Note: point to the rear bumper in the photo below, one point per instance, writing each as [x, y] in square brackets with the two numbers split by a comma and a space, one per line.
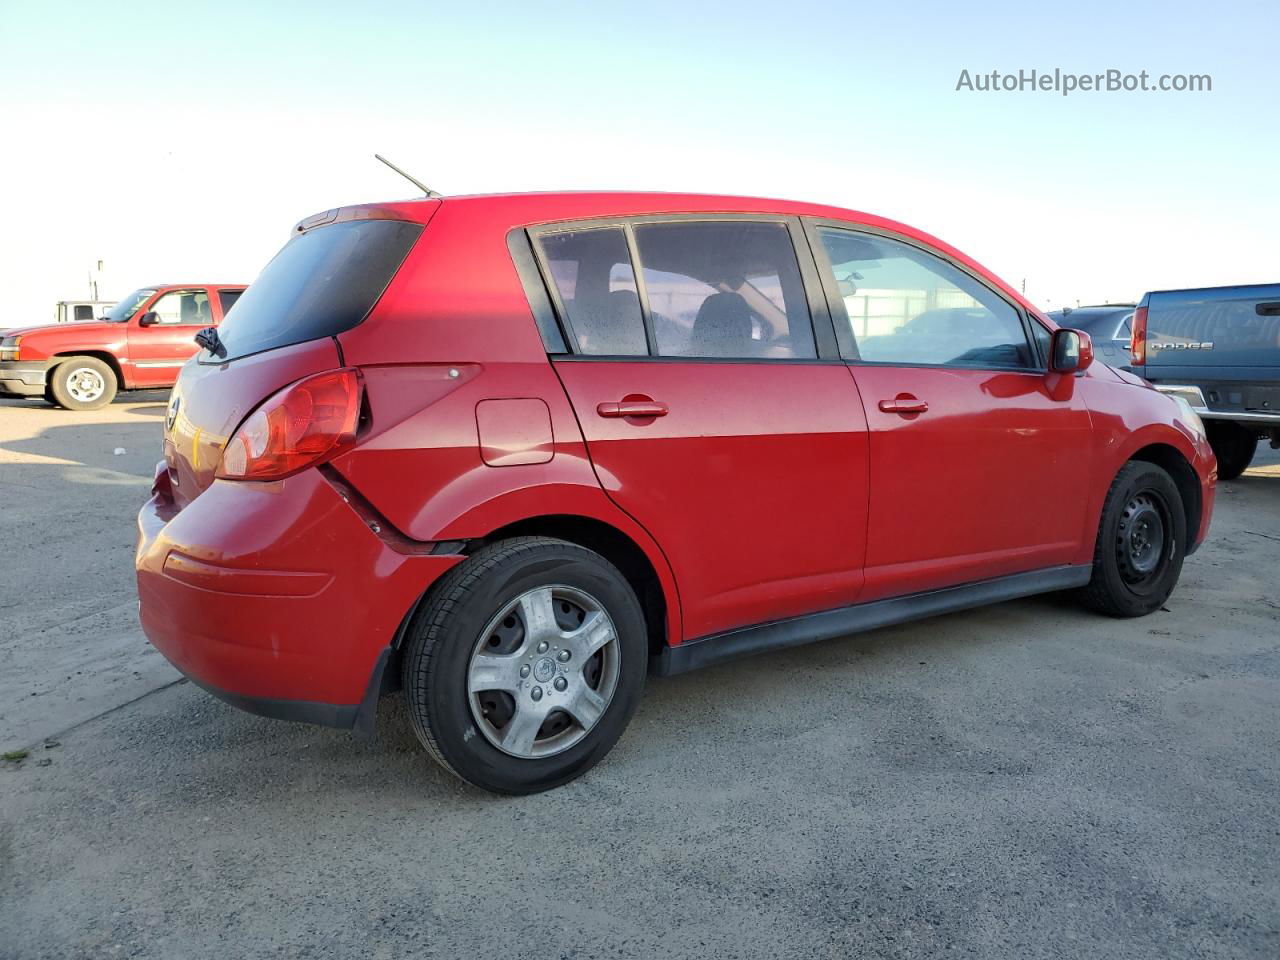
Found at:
[19, 378]
[277, 597]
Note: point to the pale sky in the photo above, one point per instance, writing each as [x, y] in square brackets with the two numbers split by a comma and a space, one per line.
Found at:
[180, 142]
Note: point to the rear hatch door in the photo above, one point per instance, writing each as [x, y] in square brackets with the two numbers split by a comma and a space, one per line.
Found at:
[323, 282]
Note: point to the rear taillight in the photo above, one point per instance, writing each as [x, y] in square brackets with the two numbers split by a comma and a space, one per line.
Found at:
[304, 424]
[1138, 342]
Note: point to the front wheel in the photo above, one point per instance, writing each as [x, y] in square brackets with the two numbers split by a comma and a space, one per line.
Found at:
[82, 383]
[1141, 540]
[525, 664]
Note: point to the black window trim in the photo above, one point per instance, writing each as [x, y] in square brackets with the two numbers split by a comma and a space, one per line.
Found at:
[552, 317]
[844, 336]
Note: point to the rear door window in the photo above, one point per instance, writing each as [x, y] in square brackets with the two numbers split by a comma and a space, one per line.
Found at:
[725, 288]
[596, 289]
[321, 283]
[227, 299]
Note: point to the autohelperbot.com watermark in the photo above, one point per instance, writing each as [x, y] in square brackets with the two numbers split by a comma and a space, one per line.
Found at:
[1065, 83]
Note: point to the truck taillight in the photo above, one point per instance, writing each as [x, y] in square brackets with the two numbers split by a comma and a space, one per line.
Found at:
[303, 425]
[1138, 342]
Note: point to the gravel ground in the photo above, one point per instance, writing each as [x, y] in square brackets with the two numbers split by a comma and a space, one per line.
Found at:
[1022, 781]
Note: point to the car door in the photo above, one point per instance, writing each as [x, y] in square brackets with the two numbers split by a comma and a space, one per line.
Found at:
[709, 412]
[160, 346]
[980, 461]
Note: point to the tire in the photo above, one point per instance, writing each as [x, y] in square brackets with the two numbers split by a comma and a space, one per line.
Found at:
[486, 698]
[49, 398]
[82, 383]
[1233, 445]
[1141, 543]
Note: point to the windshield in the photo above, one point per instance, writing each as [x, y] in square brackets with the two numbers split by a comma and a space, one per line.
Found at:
[320, 284]
[123, 310]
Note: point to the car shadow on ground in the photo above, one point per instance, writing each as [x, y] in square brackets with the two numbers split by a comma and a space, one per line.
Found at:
[211, 740]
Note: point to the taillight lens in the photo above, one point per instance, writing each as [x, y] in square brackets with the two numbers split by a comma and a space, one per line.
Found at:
[1138, 342]
[304, 424]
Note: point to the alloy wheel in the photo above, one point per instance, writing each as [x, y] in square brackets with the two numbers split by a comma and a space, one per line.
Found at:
[543, 671]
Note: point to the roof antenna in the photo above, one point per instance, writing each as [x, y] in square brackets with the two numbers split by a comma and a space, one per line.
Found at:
[417, 183]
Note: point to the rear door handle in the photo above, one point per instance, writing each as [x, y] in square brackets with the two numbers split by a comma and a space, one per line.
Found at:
[632, 408]
[1267, 309]
[904, 405]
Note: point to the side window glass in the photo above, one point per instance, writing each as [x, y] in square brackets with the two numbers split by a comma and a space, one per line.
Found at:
[591, 271]
[183, 307]
[227, 298]
[907, 306]
[725, 289]
[1042, 337]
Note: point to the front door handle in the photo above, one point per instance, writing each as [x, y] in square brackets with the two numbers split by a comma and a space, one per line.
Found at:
[904, 403]
[632, 408]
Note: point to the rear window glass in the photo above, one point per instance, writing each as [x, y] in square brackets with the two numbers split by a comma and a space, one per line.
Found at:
[320, 284]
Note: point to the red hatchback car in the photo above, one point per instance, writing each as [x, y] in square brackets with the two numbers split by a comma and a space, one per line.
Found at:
[511, 453]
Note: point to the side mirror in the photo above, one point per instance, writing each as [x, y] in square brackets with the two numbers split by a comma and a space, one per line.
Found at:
[149, 319]
[1070, 351]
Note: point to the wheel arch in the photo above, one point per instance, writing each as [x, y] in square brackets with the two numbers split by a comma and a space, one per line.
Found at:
[105, 356]
[619, 549]
[1173, 462]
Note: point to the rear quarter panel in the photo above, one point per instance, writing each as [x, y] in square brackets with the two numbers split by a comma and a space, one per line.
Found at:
[453, 331]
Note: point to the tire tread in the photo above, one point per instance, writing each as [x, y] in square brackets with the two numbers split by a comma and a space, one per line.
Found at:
[445, 597]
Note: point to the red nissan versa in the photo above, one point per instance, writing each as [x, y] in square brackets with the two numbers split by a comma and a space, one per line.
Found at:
[510, 453]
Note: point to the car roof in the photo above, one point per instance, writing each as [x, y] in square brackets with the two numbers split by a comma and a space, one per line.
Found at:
[194, 283]
[512, 210]
[1090, 319]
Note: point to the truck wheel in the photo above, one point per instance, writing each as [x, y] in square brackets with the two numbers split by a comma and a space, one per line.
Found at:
[525, 664]
[82, 383]
[1138, 554]
[49, 398]
[1233, 445]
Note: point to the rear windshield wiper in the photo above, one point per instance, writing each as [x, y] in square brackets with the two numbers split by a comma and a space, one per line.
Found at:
[209, 339]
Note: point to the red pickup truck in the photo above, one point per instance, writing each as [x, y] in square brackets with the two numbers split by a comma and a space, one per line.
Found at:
[140, 344]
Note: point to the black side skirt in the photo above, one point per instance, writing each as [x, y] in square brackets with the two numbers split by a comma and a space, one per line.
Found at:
[745, 641]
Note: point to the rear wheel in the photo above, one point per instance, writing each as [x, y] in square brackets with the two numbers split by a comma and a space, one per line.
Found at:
[1233, 445]
[82, 383]
[1141, 541]
[526, 664]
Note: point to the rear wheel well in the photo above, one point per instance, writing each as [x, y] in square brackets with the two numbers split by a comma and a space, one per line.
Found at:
[1184, 478]
[108, 358]
[616, 547]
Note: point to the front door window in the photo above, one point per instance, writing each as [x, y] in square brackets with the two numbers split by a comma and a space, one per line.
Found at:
[183, 308]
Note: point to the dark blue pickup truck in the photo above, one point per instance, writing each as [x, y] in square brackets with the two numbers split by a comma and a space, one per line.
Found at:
[1219, 349]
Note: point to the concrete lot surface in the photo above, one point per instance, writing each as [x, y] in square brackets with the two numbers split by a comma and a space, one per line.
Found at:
[1023, 781]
